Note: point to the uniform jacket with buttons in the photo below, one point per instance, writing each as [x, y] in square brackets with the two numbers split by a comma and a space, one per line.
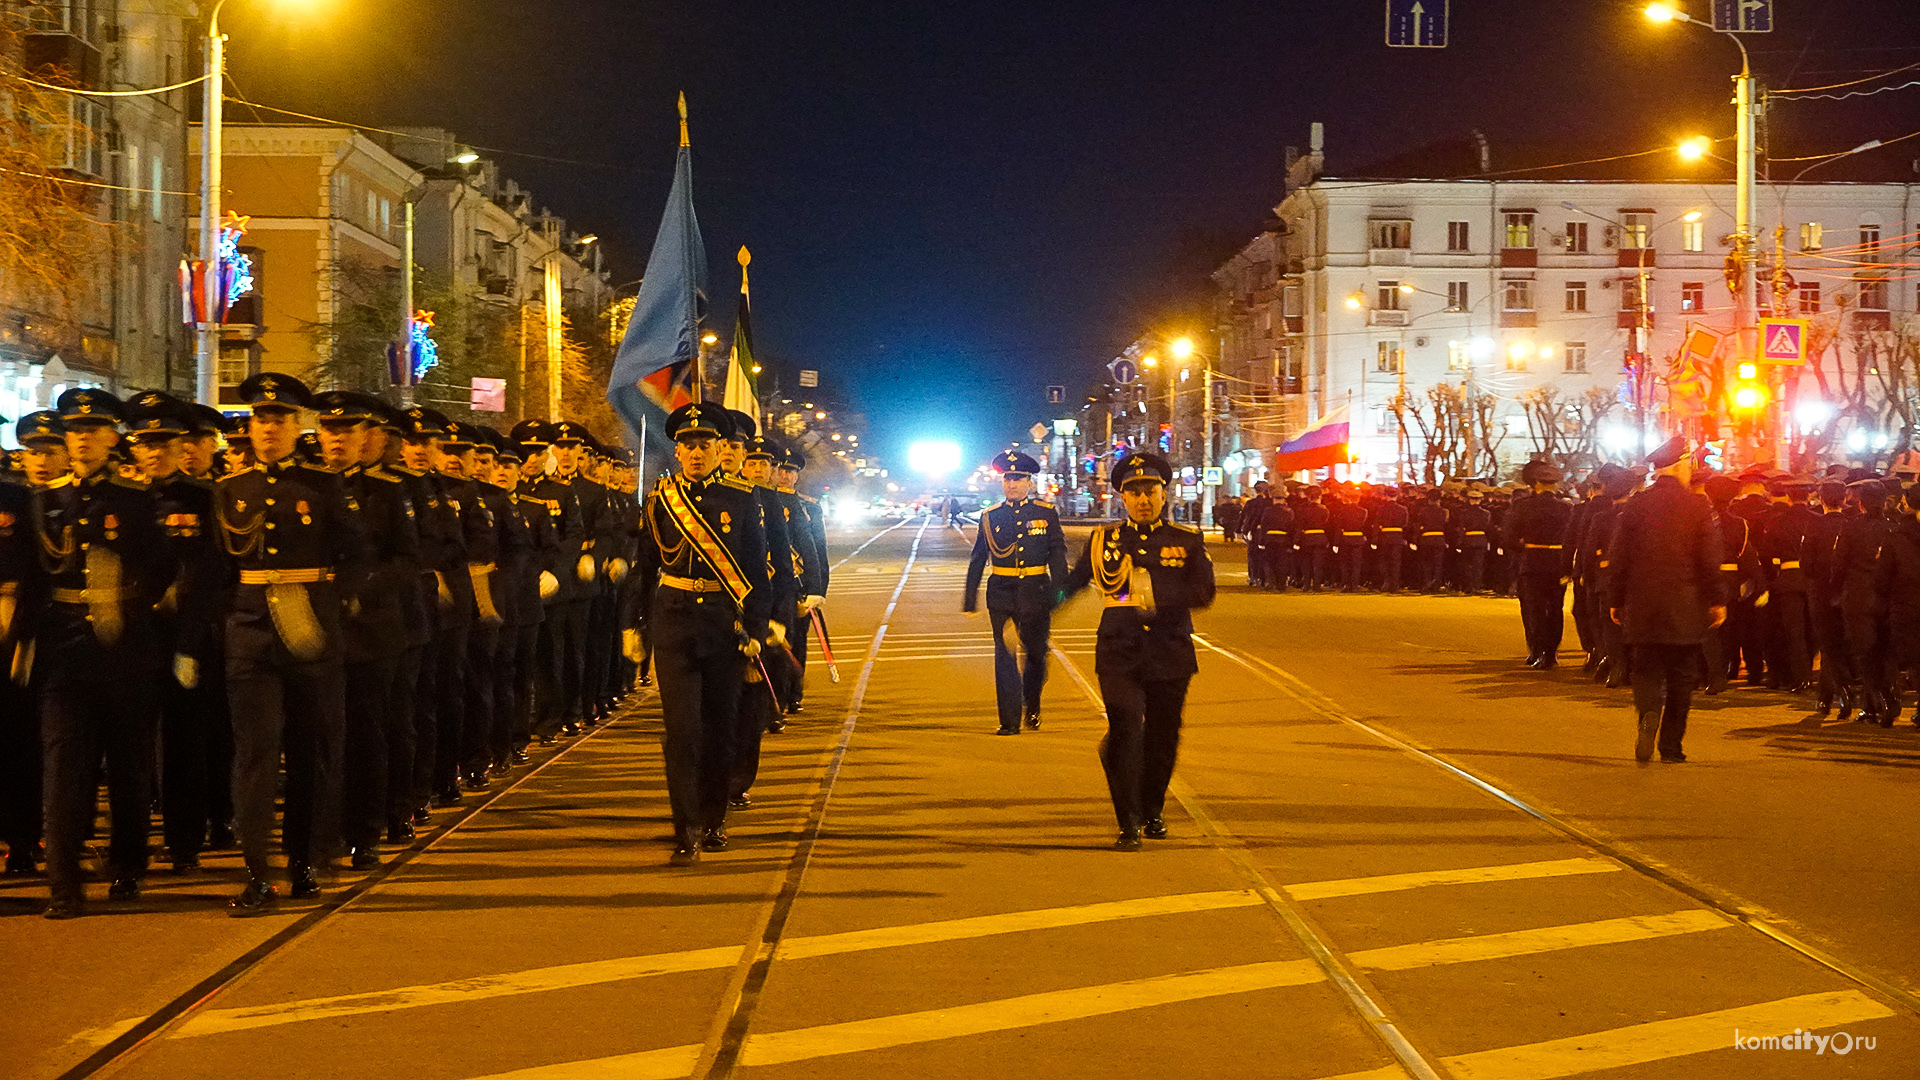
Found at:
[732, 515]
[419, 602]
[1017, 536]
[1540, 535]
[73, 516]
[1132, 642]
[196, 602]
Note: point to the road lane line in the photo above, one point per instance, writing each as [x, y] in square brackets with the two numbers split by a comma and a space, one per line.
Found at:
[1664, 1039]
[1750, 915]
[667, 1063]
[1545, 939]
[1014, 922]
[594, 972]
[863, 545]
[1322, 890]
[783, 1047]
[1322, 950]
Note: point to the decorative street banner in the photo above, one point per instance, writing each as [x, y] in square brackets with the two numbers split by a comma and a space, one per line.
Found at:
[1783, 341]
[489, 395]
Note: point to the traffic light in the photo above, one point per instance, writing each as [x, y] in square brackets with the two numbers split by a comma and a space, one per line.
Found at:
[1749, 394]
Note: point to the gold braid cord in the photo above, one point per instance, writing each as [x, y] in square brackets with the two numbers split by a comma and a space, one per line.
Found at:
[1113, 582]
[993, 548]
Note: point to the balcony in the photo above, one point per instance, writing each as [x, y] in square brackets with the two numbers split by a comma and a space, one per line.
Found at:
[1390, 256]
[1386, 317]
[1512, 319]
[1634, 258]
[1629, 318]
[1519, 256]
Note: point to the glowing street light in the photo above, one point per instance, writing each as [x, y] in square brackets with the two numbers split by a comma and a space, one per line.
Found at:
[1182, 348]
[1355, 302]
[1695, 148]
[1665, 13]
[934, 457]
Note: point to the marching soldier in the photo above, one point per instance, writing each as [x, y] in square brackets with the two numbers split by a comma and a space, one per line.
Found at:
[513, 549]
[1347, 524]
[815, 574]
[98, 657]
[576, 513]
[529, 551]
[1310, 524]
[294, 536]
[1390, 536]
[541, 680]
[1250, 515]
[1021, 539]
[770, 678]
[196, 738]
[1471, 524]
[442, 562]
[1430, 532]
[465, 764]
[43, 459]
[704, 539]
[1537, 535]
[1151, 574]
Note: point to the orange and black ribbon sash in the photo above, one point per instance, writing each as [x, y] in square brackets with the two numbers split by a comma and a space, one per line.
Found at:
[673, 496]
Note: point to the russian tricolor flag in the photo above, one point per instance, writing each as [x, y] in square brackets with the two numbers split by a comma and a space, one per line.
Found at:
[1321, 445]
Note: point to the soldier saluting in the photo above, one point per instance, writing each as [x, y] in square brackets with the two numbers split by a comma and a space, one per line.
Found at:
[1022, 539]
[1151, 574]
[294, 535]
[702, 535]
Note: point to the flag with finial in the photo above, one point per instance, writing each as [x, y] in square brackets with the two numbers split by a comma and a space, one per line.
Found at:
[743, 392]
[657, 366]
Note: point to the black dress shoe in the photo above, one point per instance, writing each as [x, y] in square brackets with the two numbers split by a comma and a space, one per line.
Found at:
[547, 740]
[1033, 720]
[365, 858]
[686, 852]
[519, 756]
[776, 725]
[739, 802]
[1129, 841]
[795, 708]
[570, 729]
[222, 839]
[475, 781]
[1673, 758]
[302, 884]
[254, 899]
[1549, 662]
[448, 797]
[65, 909]
[422, 817]
[714, 840]
[124, 888]
[644, 680]
[184, 863]
[1004, 730]
[1154, 829]
[400, 834]
[499, 769]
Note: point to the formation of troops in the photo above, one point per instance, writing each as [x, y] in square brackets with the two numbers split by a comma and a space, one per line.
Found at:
[340, 630]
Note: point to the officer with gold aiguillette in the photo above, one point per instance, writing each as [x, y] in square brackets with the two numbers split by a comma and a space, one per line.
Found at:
[703, 536]
[1021, 538]
[1151, 575]
[295, 537]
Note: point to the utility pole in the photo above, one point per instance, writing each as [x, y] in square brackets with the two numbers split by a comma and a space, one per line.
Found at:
[206, 388]
[405, 350]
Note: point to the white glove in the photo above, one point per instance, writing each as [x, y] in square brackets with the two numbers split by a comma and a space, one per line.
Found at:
[750, 648]
[616, 570]
[630, 645]
[446, 594]
[186, 671]
[584, 568]
[549, 585]
[777, 633]
[812, 602]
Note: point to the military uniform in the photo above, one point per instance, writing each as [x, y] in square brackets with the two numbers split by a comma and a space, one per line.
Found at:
[294, 535]
[22, 589]
[772, 674]
[1471, 525]
[1023, 546]
[810, 551]
[563, 634]
[1537, 534]
[1150, 577]
[705, 544]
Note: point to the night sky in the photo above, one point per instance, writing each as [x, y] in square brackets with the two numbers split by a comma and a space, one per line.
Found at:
[953, 204]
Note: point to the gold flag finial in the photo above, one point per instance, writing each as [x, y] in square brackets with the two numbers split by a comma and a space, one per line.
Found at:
[683, 118]
[745, 257]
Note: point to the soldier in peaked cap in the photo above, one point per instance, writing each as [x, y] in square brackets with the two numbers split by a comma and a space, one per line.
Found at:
[1538, 528]
[769, 681]
[441, 598]
[1020, 542]
[703, 538]
[526, 553]
[575, 511]
[815, 574]
[1854, 581]
[197, 738]
[293, 534]
[201, 449]
[43, 459]
[1151, 574]
[107, 565]
[1666, 591]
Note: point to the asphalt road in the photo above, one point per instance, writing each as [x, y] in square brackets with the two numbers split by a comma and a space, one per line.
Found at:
[1394, 852]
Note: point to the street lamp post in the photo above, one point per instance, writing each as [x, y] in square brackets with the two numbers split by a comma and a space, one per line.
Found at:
[207, 331]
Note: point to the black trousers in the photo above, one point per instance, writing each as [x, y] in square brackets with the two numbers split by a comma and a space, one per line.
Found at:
[1788, 628]
[1433, 565]
[563, 639]
[602, 645]
[476, 732]
[403, 736]
[1391, 557]
[21, 813]
[1867, 641]
[1025, 611]
[1276, 561]
[758, 708]
[1836, 659]
[93, 704]
[1143, 739]
[366, 768]
[513, 689]
[1473, 569]
[1352, 562]
[1542, 597]
[1663, 682]
[426, 720]
[281, 705]
[450, 701]
[196, 759]
[697, 660]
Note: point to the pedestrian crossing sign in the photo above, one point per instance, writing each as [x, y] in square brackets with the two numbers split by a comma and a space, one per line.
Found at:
[1783, 341]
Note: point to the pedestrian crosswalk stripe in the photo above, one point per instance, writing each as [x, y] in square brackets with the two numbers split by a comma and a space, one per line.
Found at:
[1322, 890]
[1545, 939]
[669, 1063]
[564, 976]
[1384, 1072]
[1022, 1012]
[1663, 1039]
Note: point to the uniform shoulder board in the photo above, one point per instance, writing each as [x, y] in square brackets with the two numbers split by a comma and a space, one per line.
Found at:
[1043, 504]
[1186, 528]
[809, 500]
[60, 481]
[379, 472]
[994, 507]
[129, 482]
[204, 483]
[736, 483]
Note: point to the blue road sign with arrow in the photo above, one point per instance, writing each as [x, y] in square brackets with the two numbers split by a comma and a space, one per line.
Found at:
[1743, 16]
[1417, 24]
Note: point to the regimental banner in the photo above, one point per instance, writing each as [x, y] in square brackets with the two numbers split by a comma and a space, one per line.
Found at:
[1783, 341]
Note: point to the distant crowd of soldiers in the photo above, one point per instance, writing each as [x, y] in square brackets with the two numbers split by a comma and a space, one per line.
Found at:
[1821, 573]
[353, 625]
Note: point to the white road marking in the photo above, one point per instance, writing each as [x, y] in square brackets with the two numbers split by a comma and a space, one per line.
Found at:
[1545, 939]
[1664, 1039]
[1321, 890]
[564, 976]
[668, 1063]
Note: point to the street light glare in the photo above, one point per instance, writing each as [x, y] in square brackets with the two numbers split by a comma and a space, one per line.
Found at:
[1695, 148]
[1661, 13]
[1182, 348]
[1149, 360]
[1354, 302]
[934, 457]
[1406, 288]
[1691, 215]
[709, 338]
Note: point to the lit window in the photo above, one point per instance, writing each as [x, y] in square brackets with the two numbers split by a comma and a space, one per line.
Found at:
[1576, 296]
[1459, 356]
[1636, 230]
[1576, 238]
[1387, 357]
[1693, 296]
[159, 167]
[1519, 229]
[1693, 235]
[1810, 236]
[1575, 353]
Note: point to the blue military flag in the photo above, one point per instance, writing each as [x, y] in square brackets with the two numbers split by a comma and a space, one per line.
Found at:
[656, 368]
